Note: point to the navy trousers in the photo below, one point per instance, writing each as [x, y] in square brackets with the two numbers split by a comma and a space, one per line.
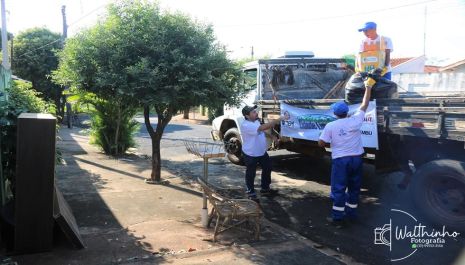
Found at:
[387, 75]
[346, 179]
[251, 163]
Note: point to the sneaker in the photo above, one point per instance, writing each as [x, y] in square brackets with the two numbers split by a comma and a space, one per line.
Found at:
[268, 192]
[338, 223]
[251, 194]
[254, 198]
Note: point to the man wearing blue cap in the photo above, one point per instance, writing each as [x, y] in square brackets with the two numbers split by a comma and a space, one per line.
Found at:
[345, 140]
[375, 51]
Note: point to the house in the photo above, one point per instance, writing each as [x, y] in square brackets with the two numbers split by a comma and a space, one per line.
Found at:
[408, 65]
[433, 81]
[432, 69]
[457, 67]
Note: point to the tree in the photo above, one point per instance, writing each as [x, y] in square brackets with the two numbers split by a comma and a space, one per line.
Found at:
[21, 99]
[350, 60]
[157, 60]
[35, 58]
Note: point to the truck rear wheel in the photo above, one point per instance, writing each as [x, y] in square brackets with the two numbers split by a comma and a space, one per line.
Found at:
[439, 192]
[233, 146]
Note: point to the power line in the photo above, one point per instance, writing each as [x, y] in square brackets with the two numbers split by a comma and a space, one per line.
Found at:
[73, 23]
[332, 17]
[41, 47]
[86, 15]
[262, 24]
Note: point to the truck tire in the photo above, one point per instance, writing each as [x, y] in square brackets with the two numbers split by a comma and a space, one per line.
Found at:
[233, 146]
[438, 190]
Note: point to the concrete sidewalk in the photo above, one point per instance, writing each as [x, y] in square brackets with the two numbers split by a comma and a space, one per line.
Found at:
[124, 221]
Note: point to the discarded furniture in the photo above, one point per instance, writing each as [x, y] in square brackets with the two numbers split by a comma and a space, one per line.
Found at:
[35, 177]
[205, 148]
[38, 203]
[231, 213]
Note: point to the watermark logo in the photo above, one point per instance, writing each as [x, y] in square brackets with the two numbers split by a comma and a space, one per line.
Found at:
[405, 235]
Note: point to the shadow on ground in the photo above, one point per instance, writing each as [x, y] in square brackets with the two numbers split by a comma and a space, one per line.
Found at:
[303, 205]
[107, 240]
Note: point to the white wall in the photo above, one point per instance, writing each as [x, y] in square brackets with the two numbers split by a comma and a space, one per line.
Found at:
[416, 65]
[433, 84]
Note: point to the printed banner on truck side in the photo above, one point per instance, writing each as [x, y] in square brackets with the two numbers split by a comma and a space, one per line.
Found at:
[308, 124]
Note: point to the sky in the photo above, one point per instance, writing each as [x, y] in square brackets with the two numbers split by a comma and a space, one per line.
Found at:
[328, 28]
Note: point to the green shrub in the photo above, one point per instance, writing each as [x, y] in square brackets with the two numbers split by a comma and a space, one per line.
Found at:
[113, 127]
[214, 111]
[22, 98]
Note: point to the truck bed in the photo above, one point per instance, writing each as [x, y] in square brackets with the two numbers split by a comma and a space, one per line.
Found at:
[439, 118]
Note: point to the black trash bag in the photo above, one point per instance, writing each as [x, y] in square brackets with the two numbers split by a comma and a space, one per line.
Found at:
[355, 88]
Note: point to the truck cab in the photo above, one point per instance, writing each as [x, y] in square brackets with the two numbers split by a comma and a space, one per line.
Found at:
[296, 75]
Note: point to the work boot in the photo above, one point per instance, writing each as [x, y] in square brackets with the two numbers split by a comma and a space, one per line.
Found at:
[337, 223]
[268, 192]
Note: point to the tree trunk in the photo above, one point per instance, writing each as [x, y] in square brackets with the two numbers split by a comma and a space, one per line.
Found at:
[203, 110]
[58, 104]
[156, 159]
[164, 117]
[118, 123]
[186, 113]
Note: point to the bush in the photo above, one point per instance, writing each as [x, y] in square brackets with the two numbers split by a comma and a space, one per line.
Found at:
[21, 98]
[215, 111]
[113, 127]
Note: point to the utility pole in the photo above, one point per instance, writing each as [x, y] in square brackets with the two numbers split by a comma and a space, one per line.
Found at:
[424, 33]
[5, 60]
[69, 114]
[3, 96]
[65, 27]
[251, 52]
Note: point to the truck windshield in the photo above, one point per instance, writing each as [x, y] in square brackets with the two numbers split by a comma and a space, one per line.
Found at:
[251, 78]
[299, 81]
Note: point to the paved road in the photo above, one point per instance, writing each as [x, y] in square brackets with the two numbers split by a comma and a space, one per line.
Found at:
[172, 141]
[303, 203]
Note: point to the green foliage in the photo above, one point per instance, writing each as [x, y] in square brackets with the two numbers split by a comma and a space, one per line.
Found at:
[114, 138]
[350, 59]
[22, 98]
[25, 99]
[35, 57]
[143, 57]
[153, 58]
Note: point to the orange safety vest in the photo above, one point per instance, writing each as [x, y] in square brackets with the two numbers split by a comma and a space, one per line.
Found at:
[373, 56]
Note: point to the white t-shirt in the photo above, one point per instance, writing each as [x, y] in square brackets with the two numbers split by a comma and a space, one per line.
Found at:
[387, 43]
[344, 135]
[254, 141]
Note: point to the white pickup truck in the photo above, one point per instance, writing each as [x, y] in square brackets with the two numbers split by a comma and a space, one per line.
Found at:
[428, 133]
[279, 79]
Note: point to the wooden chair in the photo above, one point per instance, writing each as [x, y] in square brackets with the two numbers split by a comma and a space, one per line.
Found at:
[231, 213]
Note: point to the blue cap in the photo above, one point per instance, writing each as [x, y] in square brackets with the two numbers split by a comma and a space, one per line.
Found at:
[340, 108]
[367, 26]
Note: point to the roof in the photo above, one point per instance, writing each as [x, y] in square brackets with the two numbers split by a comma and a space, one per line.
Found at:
[451, 67]
[396, 61]
[431, 69]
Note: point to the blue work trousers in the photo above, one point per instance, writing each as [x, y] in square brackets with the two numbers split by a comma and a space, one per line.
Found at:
[388, 75]
[346, 179]
[251, 163]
